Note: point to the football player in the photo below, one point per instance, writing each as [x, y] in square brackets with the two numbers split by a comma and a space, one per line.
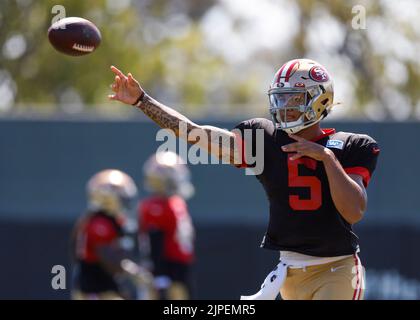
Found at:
[165, 222]
[315, 179]
[102, 250]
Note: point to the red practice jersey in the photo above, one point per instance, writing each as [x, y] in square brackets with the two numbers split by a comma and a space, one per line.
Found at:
[93, 231]
[170, 216]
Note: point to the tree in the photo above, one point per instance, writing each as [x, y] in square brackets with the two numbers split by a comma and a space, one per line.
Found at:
[212, 57]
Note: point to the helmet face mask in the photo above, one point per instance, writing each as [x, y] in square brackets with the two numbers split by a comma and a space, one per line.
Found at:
[300, 96]
[284, 101]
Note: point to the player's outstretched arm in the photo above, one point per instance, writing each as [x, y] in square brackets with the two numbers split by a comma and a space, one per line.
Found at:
[219, 142]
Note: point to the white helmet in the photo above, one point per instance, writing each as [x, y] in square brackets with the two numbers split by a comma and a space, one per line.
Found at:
[166, 174]
[112, 191]
[303, 85]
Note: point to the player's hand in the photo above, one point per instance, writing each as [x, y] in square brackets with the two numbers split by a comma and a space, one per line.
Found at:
[137, 273]
[306, 148]
[126, 88]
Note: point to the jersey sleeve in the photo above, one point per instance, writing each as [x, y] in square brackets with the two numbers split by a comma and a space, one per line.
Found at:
[245, 133]
[361, 157]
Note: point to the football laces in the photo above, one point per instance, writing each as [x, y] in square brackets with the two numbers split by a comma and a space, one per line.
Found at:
[83, 48]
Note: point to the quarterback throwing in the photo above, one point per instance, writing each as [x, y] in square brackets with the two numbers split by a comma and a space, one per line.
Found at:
[315, 179]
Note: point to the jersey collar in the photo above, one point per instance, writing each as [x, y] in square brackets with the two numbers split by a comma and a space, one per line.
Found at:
[325, 133]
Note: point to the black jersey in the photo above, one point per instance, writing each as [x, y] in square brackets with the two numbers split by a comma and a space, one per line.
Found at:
[303, 217]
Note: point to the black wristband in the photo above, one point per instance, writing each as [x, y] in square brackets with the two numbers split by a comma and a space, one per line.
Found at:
[140, 99]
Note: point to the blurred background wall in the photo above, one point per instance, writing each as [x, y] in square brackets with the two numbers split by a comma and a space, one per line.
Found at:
[45, 164]
[213, 61]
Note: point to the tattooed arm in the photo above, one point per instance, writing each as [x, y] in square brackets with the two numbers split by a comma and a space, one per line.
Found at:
[216, 141]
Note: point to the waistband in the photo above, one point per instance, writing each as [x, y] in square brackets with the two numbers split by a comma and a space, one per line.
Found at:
[296, 260]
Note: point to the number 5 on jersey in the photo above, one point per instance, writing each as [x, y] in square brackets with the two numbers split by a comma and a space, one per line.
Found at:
[313, 183]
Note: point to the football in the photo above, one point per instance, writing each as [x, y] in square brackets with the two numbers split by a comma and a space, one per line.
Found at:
[74, 36]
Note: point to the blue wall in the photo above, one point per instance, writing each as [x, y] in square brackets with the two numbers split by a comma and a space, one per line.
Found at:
[44, 166]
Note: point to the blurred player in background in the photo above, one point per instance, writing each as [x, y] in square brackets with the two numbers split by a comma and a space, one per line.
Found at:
[103, 252]
[315, 178]
[164, 223]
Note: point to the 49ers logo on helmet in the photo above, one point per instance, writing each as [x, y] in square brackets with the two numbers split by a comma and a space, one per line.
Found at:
[318, 74]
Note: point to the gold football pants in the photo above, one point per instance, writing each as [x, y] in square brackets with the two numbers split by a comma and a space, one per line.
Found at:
[340, 280]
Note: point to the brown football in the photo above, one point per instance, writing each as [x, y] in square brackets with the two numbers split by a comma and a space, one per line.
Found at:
[74, 36]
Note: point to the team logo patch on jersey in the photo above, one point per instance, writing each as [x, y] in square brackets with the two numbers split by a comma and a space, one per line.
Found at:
[338, 144]
[318, 74]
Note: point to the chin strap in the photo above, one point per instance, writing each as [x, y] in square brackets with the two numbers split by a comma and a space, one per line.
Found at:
[303, 126]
